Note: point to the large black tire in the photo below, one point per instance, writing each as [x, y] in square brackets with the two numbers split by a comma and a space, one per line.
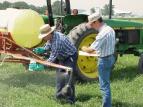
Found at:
[77, 36]
[140, 64]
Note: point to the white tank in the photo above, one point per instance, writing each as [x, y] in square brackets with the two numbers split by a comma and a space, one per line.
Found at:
[23, 26]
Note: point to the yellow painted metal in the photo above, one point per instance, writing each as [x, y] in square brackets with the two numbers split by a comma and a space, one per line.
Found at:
[88, 65]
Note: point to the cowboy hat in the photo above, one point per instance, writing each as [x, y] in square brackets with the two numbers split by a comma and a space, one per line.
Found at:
[45, 30]
[93, 17]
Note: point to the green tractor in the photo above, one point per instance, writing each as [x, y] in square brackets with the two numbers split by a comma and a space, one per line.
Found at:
[129, 35]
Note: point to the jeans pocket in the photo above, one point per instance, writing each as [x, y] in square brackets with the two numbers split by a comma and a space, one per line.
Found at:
[103, 65]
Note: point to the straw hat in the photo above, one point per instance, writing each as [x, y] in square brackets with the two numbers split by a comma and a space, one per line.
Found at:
[45, 30]
[93, 17]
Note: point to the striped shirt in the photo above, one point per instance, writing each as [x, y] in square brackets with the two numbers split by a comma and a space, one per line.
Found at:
[60, 47]
[104, 45]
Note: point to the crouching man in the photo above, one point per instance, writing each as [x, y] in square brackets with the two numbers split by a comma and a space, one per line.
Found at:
[64, 53]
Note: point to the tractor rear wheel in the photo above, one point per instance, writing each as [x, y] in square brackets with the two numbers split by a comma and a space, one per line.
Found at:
[81, 35]
[140, 64]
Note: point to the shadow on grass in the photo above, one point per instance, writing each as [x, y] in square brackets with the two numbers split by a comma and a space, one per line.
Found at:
[23, 79]
[85, 97]
[125, 104]
[126, 72]
[80, 98]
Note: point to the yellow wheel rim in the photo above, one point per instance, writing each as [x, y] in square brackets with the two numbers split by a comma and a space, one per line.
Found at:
[87, 65]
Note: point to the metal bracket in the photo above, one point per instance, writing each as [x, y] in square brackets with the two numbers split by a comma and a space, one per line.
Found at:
[3, 60]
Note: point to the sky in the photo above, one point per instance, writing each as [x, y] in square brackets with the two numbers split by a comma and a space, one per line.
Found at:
[135, 6]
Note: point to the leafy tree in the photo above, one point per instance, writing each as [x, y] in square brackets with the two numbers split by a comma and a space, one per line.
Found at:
[5, 5]
[21, 5]
[56, 7]
[42, 9]
[0, 6]
[92, 10]
[33, 7]
[106, 9]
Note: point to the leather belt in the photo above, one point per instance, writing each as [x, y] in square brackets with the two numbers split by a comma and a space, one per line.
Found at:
[106, 56]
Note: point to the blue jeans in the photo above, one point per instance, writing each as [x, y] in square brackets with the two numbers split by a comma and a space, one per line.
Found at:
[105, 65]
[62, 77]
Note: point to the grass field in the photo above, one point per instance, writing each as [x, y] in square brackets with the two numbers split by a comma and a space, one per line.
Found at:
[25, 89]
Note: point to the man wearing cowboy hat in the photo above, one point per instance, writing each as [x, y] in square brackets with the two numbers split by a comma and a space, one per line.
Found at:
[104, 47]
[63, 51]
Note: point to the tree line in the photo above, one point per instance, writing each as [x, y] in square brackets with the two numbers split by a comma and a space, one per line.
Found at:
[56, 7]
[22, 5]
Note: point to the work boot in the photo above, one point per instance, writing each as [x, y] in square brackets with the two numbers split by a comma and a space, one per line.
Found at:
[70, 101]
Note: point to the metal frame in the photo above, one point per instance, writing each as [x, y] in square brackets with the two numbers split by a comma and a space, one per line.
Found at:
[7, 45]
[19, 54]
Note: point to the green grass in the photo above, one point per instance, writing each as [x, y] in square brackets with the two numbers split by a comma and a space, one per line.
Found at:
[25, 89]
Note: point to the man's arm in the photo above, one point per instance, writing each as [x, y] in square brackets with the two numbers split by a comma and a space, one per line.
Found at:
[53, 56]
[43, 49]
[88, 50]
[47, 46]
[96, 45]
[54, 51]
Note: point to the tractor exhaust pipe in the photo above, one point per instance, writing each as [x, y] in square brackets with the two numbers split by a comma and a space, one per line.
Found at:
[110, 9]
[50, 14]
[68, 8]
[61, 7]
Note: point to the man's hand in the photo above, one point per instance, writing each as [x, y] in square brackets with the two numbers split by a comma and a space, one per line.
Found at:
[36, 67]
[87, 49]
[84, 48]
[39, 50]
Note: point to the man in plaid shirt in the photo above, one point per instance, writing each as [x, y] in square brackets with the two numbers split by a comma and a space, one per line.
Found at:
[63, 52]
[60, 47]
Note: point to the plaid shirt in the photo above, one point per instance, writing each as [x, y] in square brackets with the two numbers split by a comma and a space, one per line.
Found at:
[60, 47]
